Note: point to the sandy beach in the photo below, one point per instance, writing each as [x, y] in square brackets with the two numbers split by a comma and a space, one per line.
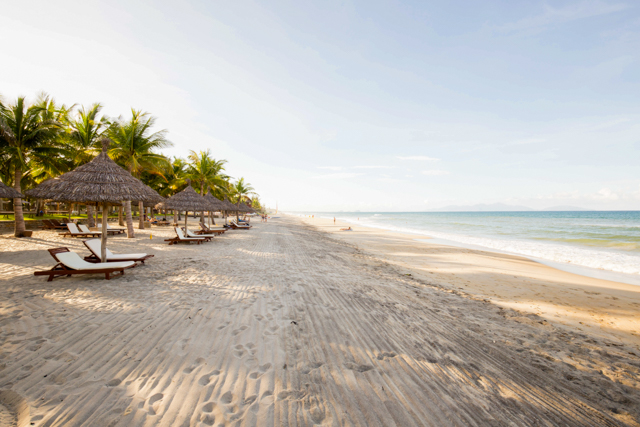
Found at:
[297, 323]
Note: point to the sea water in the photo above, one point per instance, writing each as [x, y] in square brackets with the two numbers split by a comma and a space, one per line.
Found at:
[608, 241]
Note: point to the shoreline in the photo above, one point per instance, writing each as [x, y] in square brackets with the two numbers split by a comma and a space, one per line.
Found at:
[603, 307]
[597, 273]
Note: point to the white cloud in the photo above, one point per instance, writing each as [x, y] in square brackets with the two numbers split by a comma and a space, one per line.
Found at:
[333, 168]
[425, 158]
[434, 172]
[373, 167]
[340, 175]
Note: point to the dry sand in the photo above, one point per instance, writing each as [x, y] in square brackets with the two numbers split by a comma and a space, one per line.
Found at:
[286, 324]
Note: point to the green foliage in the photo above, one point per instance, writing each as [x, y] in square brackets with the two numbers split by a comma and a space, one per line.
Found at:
[44, 139]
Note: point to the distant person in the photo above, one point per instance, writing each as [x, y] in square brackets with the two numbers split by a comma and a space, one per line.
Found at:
[334, 220]
[346, 229]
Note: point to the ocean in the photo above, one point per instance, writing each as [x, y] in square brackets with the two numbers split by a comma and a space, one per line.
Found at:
[602, 240]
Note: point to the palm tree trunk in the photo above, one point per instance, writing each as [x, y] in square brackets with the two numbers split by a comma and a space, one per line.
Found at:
[120, 216]
[141, 214]
[20, 227]
[92, 223]
[103, 237]
[127, 212]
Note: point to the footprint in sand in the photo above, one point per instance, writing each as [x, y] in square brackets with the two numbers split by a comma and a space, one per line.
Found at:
[199, 361]
[358, 368]
[258, 317]
[310, 367]
[239, 351]
[317, 415]
[224, 325]
[226, 398]
[155, 403]
[249, 400]
[386, 355]
[291, 395]
[114, 382]
[240, 329]
[206, 379]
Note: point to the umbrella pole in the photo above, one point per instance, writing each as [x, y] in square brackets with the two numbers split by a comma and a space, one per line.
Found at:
[103, 237]
[186, 217]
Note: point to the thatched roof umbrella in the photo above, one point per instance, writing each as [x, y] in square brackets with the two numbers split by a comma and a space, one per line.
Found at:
[214, 203]
[244, 208]
[228, 206]
[187, 200]
[9, 193]
[101, 181]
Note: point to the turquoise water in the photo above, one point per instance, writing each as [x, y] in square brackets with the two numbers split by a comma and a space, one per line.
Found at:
[602, 240]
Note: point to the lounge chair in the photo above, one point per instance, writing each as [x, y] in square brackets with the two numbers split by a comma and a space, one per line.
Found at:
[188, 233]
[48, 225]
[111, 230]
[74, 232]
[235, 226]
[70, 263]
[95, 246]
[84, 229]
[206, 230]
[181, 238]
[58, 223]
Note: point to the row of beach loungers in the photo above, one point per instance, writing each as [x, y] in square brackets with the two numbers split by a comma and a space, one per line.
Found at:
[69, 263]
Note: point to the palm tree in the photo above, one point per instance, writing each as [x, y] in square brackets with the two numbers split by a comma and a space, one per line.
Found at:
[28, 136]
[204, 171]
[134, 148]
[84, 132]
[241, 190]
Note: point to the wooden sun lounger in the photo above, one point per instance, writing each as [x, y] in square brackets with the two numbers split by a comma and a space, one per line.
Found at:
[94, 246]
[70, 263]
[239, 227]
[181, 238]
[48, 225]
[206, 237]
[58, 223]
[112, 231]
[206, 230]
[74, 232]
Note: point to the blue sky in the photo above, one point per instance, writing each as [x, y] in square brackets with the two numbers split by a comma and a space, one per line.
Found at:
[369, 105]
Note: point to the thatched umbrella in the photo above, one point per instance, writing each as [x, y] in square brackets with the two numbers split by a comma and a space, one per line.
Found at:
[187, 200]
[9, 193]
[227, 206]
[215, 204]
[101, 181]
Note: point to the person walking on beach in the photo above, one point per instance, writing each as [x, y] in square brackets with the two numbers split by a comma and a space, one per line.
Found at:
[334, 220]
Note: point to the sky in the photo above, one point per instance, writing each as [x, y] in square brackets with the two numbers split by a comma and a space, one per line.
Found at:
[361, 105]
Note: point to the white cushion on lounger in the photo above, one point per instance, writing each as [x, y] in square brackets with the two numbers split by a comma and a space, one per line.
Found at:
[109, 227]
[73, 228]
[85, 229]
[190, 234]
[73, 261]
[181, 235]
[96, 248]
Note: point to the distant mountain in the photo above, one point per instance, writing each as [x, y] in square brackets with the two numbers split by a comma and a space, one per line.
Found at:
[564, 209]
[482, 207]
